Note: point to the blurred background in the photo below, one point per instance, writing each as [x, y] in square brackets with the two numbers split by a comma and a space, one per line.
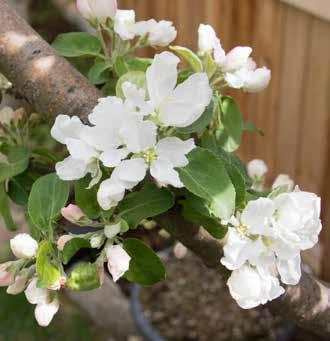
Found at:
[292, 38]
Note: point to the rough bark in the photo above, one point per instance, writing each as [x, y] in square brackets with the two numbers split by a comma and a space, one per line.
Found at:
[54, 87]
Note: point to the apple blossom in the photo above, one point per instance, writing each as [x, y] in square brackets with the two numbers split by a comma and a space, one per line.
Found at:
[160, 33]
[72, 213]
[283, 180]
[207, 38]
[125, 24]
[176, 106]
[6, 276]
[118, 261]
[24, 246]
[251, 286]
[45, 312]
[18, 286]
[257, 168]
[99, 10]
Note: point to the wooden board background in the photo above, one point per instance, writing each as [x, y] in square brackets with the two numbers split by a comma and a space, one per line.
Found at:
[294, 110]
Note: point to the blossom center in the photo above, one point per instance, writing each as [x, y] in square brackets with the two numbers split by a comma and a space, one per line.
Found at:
[149, 155]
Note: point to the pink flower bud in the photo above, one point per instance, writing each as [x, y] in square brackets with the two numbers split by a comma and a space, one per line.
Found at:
[18, 286]
[101, 274]
[58, 284]
[99, 10]
[72, 213]
[118, 261]
[63, 240]
[6, 277]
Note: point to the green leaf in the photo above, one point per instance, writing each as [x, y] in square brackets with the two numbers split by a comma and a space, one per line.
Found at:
[72, 247]
[195, 210]
[86, 198]
[210, 66]
[5, 209]
[48, 196]
[17, 192]
[206, 177]
[98, 74]
[109, 88]
[120, 66]
[148, 202]
[202, 122]
[145, 267]
[136, 77]
[252, 128]
[76, 44]
[137, 64]
[230, 135]
[84, 277]
[184, 74]
[189, 56]
[18, 161]
[47, 273]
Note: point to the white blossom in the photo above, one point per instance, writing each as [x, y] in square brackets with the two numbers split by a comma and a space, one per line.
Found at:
[125, 24]
[181, 105]
[257, 168]
[24, 246]
[283, 180]
[161, 33]
[18, 286]
[98, 10]
[45, 312]
[118, 261]
[207, 38]
[72, 213]
[6, 276]
[251, 286]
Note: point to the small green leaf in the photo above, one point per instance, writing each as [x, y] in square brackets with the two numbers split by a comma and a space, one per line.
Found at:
[147, 203]
[47, 273]
[206, 177]
[98, 74]
[48, 196]
[72, 247]
[195, 210]
[252, 128]
[136, 77]
[145, 267]
[210, 66]
[189, 56]
[76, 44]
[120, 66]
[86, 198]
[229, 136]
[84, 277]
[202, 122]
[18, 161]
[5, 209]
[137, 64]
[17, 192]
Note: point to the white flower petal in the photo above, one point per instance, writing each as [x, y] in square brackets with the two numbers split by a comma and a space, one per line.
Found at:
[118, 261]
[165, 174]
[66, 127]
[290, 270]
[283, 180]
[187, 102]
[161, 33]
[80, 150]
[71, 169]
[125, 24]
[109, 194]
[237, 58]
[45, 312]
[112, 157]
[206, 38]
[257, 216]
[24, 246]
[34, 294]
[162, 77]
[257, 80]
[257, 168]
[174, 150]
[130, 172]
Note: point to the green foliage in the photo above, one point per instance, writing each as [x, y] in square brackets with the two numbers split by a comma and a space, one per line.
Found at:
[86, 198]
[98, 73]
[47, 273]
[72, 247]
[48, 196]
[200, 124]
[206, 177]
[76, 44]
[84, 277]
[137, 64]
[189, 56]
[17, 162]
[5, 210]
[229, 134]
[251, 127]
[195, 210]
[17, 192]
[148, 202]
[145, 267]
[136, 77]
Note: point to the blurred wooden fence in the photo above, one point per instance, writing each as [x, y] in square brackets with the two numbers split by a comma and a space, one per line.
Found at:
[294, 110]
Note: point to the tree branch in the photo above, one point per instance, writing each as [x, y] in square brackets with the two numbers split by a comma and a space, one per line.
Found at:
[53, 87]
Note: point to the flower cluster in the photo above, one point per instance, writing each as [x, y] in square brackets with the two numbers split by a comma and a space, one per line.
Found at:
[128, 135]
[265, 240]
[237, 68]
